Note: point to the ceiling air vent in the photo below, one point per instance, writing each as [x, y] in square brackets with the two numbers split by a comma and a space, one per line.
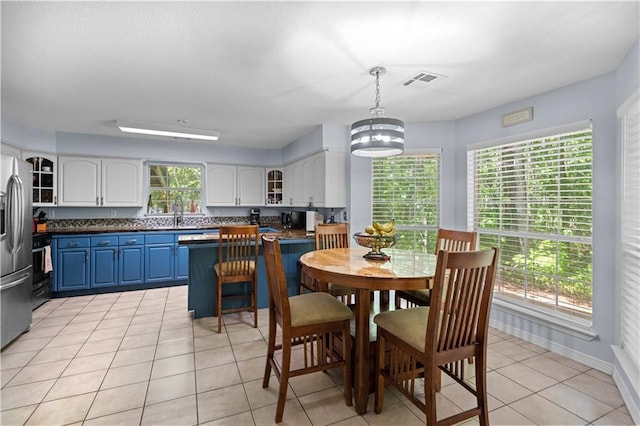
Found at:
[423, 77]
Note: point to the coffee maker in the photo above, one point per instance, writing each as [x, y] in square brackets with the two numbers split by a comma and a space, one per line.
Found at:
[254, 217]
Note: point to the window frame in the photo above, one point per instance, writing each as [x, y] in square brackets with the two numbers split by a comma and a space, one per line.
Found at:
[540, 313]
[430, 230]
[149, 189]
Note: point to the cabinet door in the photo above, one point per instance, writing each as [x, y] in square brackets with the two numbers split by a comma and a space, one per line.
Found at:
[251, 187]
[121, 182]
[72, 269]
[319, 178]
[293, 185]
[104, 266]
[45, 178]
[182, 262]
[222, 182]
[131, 265]
[274, 186]
[79, 181]
[159, 262]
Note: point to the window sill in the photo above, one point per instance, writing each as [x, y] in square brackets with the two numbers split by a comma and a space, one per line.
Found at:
[548, 319]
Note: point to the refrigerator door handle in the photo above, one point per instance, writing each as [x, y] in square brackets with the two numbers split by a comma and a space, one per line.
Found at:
[17, 282]
[16, 213]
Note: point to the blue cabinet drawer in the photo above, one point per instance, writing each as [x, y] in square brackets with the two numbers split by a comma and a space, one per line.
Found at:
[104, 241]
[130, 240]
[67, 243]
[158, 238]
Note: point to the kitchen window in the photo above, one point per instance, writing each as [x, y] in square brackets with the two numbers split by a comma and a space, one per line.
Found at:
[532, 198]
[406, 188]
[174, 185]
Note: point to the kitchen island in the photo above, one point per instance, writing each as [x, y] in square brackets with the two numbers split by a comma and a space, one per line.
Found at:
[203, 254]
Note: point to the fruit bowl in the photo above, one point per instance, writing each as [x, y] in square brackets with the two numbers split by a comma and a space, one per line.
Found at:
[375, 243]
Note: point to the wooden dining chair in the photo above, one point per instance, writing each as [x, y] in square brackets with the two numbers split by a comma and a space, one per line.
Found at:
[237, 263]
[449, 240]
[329, 236]
[423, 341]
[309, 319]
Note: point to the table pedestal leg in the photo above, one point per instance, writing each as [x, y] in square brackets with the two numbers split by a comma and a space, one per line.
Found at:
[362, 351]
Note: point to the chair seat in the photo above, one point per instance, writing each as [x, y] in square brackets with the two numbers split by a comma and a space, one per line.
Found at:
[316, 308]
[410, 325]
[234, 268]
[423, 295]
[339, 290]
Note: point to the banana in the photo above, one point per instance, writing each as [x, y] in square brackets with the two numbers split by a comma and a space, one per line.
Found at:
[376, 228]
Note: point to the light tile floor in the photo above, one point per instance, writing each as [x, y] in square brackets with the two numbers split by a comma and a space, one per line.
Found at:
[139, 358]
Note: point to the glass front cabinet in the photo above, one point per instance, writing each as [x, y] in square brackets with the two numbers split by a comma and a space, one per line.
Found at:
[274, 186]
[45, 171]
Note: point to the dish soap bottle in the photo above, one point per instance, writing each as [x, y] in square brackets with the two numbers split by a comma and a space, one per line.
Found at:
[193, 207]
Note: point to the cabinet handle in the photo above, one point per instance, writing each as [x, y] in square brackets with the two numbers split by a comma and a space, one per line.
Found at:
[103, 243]
[97, 201]
[115, 254]
[102, 201]
[73, 244]
[86, 254]
[130, 242]
[55, 199]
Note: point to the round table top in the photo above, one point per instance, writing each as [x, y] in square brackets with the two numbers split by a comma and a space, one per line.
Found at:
[405, 269]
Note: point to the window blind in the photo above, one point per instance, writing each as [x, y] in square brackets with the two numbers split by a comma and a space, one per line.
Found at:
[406, 188]
[533, 198]
[630, 235]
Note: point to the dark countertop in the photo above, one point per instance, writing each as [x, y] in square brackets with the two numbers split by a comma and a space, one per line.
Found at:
[292, 234]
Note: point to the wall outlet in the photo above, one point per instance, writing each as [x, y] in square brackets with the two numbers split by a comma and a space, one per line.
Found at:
[216, 212]
[52, 213]
[114, 213]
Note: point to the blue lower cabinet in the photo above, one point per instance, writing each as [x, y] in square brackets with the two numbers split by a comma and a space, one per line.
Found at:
[104, 261]
[182, 261]
[73, 265]
[159, 262]
[131, 265]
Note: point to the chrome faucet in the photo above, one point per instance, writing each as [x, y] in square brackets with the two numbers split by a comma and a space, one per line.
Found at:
[178, 219]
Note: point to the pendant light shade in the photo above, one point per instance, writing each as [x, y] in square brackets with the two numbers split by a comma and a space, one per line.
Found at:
[378, 136]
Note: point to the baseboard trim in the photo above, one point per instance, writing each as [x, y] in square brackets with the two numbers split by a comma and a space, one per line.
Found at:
[625, 382]
[572, 354]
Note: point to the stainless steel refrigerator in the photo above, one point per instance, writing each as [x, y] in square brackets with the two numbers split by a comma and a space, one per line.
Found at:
[15, 254]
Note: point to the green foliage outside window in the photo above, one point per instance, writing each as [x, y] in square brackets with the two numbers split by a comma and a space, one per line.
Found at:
[406, 188]
[168, 184]
[533, 199]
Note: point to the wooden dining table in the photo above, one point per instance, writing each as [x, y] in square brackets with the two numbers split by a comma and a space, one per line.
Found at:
[405, 270]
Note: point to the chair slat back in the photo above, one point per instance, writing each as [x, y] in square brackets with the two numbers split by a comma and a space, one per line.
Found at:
[238, 249]
[331, 235]
[452, 240]
[276, 279]
[463, 286]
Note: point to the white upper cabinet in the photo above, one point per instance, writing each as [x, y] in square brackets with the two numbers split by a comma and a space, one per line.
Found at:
[274, 187]
[121, 182]
[320, 179]
[45, 182]
[95, 182]
[293, 184]
[251, 187]
[229, 185]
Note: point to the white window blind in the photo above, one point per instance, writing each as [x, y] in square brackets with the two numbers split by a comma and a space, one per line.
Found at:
[630, 236]
[406, 188]
[532, 198]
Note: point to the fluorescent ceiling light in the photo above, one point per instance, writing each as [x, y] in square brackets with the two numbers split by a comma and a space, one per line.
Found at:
[166, 130]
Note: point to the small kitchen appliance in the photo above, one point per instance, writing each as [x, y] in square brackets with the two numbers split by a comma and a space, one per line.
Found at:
[293, 219]
[254, 217]
[313, 218]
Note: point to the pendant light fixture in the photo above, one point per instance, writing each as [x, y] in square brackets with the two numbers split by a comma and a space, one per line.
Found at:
[377, 136]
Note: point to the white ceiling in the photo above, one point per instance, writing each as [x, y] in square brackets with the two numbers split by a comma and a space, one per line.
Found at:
[266, 73]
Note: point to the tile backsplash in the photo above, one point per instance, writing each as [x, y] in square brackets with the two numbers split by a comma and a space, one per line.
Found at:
[151, 222]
